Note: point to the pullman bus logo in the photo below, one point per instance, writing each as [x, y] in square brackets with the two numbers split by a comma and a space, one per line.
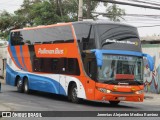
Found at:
[46, 51]
[124, 42]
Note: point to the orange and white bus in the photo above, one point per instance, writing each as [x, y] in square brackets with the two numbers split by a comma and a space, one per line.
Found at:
[97, 61]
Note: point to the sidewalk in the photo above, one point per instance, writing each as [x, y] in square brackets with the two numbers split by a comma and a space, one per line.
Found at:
[3, 107]
[149, 95]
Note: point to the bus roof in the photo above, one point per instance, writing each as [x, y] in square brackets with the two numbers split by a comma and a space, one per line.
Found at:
[69, 23]
[102, 22]
[42, 26]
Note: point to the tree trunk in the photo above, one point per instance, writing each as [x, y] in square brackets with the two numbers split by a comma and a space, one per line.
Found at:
[60, 8]
[88, 9]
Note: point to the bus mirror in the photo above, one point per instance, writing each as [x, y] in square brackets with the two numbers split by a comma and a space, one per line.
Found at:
[150, 61]
[98, 55]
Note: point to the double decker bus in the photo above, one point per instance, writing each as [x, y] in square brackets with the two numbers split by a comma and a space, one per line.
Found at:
[97, 61]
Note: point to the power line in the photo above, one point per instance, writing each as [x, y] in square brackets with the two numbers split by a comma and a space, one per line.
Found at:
[148, 26]
[131, 15]
[130, 4]
[151, 3]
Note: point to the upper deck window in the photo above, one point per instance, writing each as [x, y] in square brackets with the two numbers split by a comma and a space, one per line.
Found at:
[85, 36]
[58, 34]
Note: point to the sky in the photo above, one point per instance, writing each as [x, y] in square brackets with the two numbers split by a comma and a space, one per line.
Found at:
[139, 21]
[12, 5]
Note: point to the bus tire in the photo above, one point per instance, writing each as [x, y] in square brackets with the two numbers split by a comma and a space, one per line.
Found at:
[73, 94]
[26, 88]
[19, 85]
[114, 103]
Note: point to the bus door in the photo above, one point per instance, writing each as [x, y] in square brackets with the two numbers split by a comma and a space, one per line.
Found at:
[90, 68]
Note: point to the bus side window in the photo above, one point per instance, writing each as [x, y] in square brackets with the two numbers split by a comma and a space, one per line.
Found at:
[16, 38]
[54, 65]
[73, 67]
[65, 66]
[46, 62]
[37, 65]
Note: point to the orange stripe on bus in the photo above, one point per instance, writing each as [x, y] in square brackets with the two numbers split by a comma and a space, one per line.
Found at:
[10, 53]
[19, 57]
[27, 60]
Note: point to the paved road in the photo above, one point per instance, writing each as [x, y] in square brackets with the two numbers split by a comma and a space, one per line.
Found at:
[37, 101]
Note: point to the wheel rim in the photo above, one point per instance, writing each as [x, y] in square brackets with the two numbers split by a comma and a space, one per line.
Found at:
[19, 83]
[26, 86]
[74, 93]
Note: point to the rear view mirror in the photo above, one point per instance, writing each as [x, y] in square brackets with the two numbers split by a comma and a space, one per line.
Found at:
[150, 61]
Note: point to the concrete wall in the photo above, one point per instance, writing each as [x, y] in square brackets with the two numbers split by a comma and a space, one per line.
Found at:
[152, 79]
[3, 52]
[3, 58]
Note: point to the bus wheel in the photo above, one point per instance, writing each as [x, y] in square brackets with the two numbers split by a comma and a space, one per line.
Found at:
[73, 94]
[19, 85]
[114, 103]
[26, 88]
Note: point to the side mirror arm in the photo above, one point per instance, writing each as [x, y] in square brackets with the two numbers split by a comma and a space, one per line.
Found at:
[150, 61]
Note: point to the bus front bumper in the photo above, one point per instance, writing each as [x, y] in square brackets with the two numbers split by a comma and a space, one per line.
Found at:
[120, 97]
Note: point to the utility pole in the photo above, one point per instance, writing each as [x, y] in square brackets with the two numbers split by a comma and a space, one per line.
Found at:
[80, 10]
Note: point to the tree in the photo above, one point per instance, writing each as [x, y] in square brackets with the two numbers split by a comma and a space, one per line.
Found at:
[114, 12]
[6, 23]
[5, 20]
[25, 12]
[44, 12]
[52, 11]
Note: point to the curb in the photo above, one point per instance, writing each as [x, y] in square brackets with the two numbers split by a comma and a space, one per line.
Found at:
[148, 97]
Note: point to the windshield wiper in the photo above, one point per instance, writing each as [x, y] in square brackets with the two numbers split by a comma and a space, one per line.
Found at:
[138, 82]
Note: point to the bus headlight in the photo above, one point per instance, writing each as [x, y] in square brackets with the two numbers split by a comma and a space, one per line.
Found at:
[139, 92]
[104, 90]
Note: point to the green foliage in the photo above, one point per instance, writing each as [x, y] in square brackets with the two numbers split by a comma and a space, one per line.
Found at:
[44, 12]
[6, 22]
[115, 13]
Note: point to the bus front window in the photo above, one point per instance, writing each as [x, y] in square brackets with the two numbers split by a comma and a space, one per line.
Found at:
[120, 68]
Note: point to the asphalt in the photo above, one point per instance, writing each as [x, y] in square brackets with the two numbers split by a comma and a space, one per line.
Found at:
[3, 107]
[148, 96]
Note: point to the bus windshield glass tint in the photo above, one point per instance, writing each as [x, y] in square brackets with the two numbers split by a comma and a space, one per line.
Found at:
[121, 68]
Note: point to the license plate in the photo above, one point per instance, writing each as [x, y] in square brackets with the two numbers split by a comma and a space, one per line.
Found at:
[121, 98]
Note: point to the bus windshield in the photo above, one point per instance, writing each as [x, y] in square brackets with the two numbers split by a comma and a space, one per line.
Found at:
[120, 68]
